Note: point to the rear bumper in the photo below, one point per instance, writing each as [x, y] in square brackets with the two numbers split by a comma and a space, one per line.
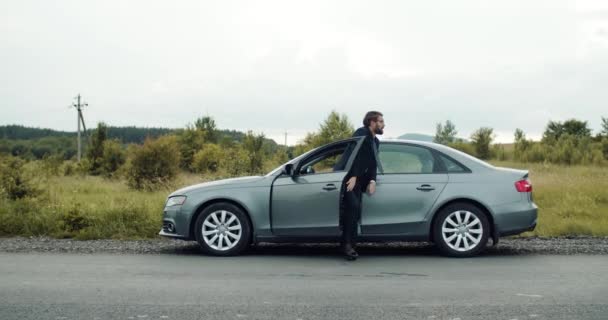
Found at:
[517, 231]
[511, 222]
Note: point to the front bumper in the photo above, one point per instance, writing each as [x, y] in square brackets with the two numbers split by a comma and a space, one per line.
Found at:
[171, 235]
[175, 223]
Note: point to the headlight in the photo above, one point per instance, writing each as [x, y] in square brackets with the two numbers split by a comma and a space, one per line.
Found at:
[175, 201]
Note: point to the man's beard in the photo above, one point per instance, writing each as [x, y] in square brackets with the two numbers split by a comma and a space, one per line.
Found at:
[379, 130]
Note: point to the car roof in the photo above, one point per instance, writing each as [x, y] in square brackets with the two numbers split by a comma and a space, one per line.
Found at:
[469, 161]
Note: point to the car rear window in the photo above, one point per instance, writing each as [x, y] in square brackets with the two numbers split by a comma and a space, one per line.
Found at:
[451, 165]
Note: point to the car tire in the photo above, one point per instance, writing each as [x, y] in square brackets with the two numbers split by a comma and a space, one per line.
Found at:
[223, 238]
[475, 229]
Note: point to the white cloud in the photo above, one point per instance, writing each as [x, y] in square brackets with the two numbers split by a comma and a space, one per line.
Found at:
[274, 65]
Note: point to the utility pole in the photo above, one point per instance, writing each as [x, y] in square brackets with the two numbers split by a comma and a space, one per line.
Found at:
[79, 105]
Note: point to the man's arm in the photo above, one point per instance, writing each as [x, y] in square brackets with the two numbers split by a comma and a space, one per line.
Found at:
[357, 168]
[373, 172]
[376, 159]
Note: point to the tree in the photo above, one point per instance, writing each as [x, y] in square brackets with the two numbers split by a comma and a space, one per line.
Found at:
[604, 131]
[573, 127]
[577, 128]
[335, 127]
[521, 144]
[482, 138]
[95, 151]
[445, 134]
[207, 125]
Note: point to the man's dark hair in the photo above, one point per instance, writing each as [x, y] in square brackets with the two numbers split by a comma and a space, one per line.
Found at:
[371, 116]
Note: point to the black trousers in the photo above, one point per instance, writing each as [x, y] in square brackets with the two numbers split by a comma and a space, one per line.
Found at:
[351, 213]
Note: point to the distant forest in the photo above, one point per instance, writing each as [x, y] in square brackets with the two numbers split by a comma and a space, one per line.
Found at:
[37, 143]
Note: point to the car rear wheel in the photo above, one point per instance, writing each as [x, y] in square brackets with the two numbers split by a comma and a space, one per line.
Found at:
[223, 229]
[461, 230]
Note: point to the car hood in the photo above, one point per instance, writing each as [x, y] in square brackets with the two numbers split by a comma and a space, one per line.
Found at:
[232, 182]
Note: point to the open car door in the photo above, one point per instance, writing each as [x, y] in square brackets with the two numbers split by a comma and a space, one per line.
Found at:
[308, 203]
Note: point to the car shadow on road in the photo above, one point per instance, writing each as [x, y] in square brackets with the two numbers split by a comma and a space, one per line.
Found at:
[332, 249]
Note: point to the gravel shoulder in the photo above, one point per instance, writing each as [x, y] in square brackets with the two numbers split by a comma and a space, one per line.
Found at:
[506, 246]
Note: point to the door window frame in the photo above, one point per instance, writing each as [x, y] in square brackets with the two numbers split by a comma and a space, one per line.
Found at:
[327, 148]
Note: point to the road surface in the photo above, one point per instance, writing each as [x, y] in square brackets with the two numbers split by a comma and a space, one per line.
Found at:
[302, 286]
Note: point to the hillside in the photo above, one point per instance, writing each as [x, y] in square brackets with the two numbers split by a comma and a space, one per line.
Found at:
[32, 142]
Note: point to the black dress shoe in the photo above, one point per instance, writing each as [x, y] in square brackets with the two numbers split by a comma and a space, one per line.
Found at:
[351, 255]
[349, 252]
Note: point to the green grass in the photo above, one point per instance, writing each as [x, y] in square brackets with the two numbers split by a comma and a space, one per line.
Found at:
[572, 200]
[87, 207]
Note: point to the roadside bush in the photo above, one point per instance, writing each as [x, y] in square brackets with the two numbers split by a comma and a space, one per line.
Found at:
[254, 144]
[208, 159]
[190, 141]
[74, 219]
[464, 147]
[113, 157]
[14, 183]
[26, 217]
[535, 153]
[521, 145]
[499, 152]
[83, 167]
[154, 164]
[237, 162]
[51, 164]
[567, 150]
[68, 168]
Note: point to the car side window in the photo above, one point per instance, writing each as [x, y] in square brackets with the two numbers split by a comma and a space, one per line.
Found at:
[403, 158]
[330, 160]
[451, 165]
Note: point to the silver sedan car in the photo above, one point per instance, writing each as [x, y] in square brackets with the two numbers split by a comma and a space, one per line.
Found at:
[425, 192]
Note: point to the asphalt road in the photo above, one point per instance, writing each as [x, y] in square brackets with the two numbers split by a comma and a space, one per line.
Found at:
[283, 286]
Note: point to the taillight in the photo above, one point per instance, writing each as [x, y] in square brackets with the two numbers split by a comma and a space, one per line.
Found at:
[523, 186]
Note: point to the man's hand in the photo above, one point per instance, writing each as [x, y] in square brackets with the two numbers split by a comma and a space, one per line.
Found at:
[350, 184]
[371, 187]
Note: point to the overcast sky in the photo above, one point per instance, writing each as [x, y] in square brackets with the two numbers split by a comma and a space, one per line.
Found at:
[276, 66]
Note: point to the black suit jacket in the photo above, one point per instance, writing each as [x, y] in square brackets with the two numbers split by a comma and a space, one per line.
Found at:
[365, 166]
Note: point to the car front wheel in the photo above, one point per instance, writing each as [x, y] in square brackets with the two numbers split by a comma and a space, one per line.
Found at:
[223, 229]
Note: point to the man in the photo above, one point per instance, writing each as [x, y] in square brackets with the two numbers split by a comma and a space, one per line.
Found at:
[361, 177]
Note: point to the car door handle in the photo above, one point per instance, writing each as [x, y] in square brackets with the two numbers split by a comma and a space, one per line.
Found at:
[426, 187]
[329, 187]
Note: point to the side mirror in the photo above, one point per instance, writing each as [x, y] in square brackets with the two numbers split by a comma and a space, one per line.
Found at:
[288, 169]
